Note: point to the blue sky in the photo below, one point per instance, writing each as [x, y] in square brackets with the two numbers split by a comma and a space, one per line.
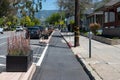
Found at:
[49, 5]
[52, 4]
[96, 0]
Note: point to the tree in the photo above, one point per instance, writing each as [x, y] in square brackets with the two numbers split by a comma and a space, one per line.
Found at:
[74, 7]
[8, 25]
[13, 20]
[36, 21]
[1, 21]
[28, 22]
[4, 8]
[55, 17]
[69, 7]
[25, 21]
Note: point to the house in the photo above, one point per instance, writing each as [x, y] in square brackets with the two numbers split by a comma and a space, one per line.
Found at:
[96, 17]
[111, 13]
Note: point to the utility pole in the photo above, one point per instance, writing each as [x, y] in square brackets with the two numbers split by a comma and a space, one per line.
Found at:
[76, 27]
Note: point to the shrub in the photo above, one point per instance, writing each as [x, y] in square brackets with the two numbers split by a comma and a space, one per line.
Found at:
[18, 45]
[94, 27]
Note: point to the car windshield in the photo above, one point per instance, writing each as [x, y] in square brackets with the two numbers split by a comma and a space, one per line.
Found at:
[1, 29]
[41, 28]
[32, 29]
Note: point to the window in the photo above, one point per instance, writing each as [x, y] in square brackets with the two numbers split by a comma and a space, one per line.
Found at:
[112, 17]
[106, 17]
[118, 12]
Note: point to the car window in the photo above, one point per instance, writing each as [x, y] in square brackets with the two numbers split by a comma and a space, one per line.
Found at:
[32, 29]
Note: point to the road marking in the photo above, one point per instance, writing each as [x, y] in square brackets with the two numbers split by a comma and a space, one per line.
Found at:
[2, 56]
[2, 65]
[42, 56]
[4, 37]
[36, 56]
[3, 43]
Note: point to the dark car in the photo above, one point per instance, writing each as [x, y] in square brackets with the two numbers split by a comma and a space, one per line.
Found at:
[33, 32]
[41, 28]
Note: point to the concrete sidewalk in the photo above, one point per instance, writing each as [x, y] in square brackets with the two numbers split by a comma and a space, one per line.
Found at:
[105, 61]
[18, 75]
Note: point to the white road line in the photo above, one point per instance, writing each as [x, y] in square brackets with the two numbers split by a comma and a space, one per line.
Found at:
[2, 65]
[4, 37]
[2, 56]
[3, 43]
[42, 56]
[36, 56]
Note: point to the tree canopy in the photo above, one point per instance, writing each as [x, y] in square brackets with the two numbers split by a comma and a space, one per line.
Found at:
[69, 6]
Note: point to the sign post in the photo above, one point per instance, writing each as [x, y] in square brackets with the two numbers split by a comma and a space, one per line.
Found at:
[90, 36]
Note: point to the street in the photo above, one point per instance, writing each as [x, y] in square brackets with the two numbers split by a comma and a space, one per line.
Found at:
[59, 62]
[34, 43]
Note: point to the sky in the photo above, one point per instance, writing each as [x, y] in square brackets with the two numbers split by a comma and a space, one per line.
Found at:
[96, 0]
[52, 4]
[49, 5]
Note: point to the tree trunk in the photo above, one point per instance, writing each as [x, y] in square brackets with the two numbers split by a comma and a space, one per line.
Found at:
[1, 2]
[76, 27]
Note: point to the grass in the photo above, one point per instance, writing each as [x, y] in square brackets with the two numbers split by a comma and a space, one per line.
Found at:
[18, 45]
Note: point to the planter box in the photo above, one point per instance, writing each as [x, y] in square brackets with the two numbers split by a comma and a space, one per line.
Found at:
[19, 63]
[46, 36]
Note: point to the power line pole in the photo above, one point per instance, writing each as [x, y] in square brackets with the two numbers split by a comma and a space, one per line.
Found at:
[76, 27]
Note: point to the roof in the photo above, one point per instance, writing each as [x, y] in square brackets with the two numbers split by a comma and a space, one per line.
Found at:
[89, 11]
[96, 13]
[102, 6]
[112, 2]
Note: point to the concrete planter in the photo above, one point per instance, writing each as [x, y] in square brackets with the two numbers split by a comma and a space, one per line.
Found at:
[105, 40]
[19, 63]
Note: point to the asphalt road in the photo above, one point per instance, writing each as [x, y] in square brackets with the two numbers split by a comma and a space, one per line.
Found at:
[59, 63]
[35, 46]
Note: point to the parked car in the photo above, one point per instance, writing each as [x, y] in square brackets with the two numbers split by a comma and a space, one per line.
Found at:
[33, 32]
[41, 28]
[19, 28]
[1, 30]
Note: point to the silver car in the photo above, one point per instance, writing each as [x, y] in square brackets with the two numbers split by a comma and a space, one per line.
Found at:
[1, 30]
[19, 28]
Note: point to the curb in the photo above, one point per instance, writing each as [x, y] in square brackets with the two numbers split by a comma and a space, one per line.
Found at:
[29, 74]
[85, 68]
[68, 43]
[18, 75]
[88, 69]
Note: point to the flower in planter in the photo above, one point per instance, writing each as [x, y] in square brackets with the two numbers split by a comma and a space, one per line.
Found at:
[18, 45]
[94, 27]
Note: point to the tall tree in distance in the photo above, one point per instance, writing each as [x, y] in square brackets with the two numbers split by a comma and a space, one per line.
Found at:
[74, 8]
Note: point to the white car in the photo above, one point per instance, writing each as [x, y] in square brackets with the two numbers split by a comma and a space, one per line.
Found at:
[19, 28]
[1, 30]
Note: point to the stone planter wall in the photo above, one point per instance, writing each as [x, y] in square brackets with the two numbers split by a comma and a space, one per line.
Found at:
[105, 40]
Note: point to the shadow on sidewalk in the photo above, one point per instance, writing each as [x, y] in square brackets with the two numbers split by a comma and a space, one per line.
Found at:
[58, 46]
